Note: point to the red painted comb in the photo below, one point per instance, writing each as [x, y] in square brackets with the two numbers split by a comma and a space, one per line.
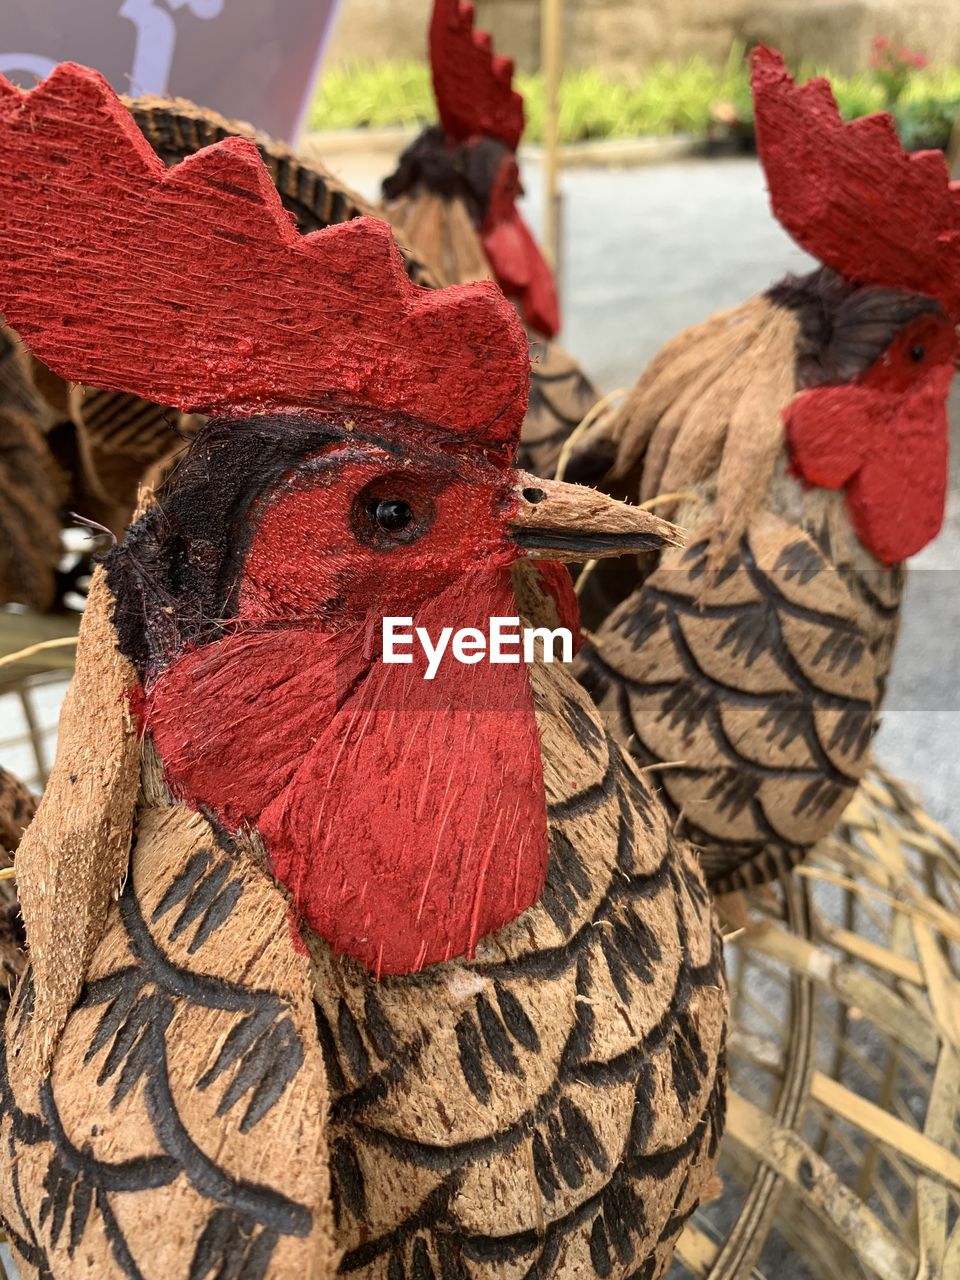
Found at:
[850, 195]
[473, 87]
[192, 287]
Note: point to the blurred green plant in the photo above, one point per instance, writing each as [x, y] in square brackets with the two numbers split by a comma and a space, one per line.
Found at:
[695, 98]
[372, 95]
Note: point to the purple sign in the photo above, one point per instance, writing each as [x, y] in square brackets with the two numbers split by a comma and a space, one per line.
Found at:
[253, 60]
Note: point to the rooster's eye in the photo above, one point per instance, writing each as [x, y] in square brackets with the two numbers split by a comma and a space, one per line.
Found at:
[393, 515]
[385, 521]
[917, 353]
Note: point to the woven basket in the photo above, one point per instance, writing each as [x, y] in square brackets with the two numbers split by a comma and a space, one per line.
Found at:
[842, 1152]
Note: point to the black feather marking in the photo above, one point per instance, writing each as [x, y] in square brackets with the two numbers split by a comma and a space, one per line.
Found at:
[470, 1051]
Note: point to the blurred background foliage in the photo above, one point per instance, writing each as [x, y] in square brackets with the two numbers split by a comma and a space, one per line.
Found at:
[693, 98]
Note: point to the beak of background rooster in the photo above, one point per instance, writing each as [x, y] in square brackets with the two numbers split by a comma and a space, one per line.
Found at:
[559, 521]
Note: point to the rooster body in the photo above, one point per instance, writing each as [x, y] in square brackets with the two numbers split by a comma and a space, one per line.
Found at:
[332, 967]
[551, 1103]
[802, 441]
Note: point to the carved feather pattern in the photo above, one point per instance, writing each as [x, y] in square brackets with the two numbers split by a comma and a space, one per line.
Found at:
[181, 1129]
[561, 395]
[554, 1106]
[756, 686]
[551, 1108]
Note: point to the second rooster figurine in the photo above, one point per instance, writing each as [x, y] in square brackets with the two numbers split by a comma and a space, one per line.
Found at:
[332, 967]
[802, 438]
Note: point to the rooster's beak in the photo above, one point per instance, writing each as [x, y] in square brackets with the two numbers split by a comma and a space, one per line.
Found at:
[558, 521]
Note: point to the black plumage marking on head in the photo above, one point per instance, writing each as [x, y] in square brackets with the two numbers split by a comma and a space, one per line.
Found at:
[174, 575]
[467, 170]
[844, 327]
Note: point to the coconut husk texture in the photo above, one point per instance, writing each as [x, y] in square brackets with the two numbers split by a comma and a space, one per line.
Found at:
[747, 669]
[554, 1106]
[100, 444]
[73, 857]
[164, 1097]
[441, 231]
[556, 1102]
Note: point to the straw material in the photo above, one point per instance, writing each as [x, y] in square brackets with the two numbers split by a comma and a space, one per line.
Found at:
[842, 1142]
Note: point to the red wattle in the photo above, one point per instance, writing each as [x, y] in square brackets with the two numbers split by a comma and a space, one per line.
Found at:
[522, 271]
[887, 448]
[406, 816]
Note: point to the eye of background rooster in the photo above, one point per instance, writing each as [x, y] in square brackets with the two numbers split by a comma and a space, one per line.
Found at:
[917, 353]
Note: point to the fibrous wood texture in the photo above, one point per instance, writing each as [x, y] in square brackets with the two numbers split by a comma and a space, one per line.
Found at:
[104, 442]
[473, 87]
[707, 408]
[554, 1106]
[849, 194]
[883, 439]
[753, 689]
[842, 1142]
[74, 856]
[440, 231]
[454, 193]
[818, 410]
[182, 1128]
[184, 250]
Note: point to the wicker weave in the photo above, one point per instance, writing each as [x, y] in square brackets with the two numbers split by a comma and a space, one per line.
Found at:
[842, 1156]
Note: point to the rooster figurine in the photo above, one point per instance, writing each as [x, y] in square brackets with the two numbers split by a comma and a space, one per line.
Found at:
[453, 198]
[802, 439]
[332, 965]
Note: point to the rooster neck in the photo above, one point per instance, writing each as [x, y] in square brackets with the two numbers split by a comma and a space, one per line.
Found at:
[405, 817]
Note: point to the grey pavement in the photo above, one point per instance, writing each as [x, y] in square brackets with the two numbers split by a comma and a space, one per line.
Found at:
[650, 250]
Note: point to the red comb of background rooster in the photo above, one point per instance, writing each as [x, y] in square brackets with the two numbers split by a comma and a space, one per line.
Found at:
[473, 87]
[850, 195]
[123, 274]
